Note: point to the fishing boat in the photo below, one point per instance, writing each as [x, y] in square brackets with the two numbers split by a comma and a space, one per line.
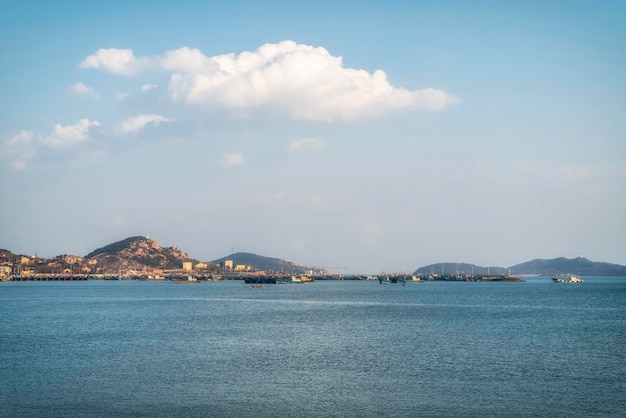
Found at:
[570, 279]
[399, 278]
[384, 280]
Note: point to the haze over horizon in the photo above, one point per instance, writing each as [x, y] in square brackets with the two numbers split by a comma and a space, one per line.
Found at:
[366, 135]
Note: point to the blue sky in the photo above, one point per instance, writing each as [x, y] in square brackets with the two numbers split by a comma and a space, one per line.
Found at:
[367, 136]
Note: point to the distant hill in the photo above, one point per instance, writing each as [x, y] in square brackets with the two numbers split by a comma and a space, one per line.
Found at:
[258, 262]
[138, 253]
[579, 265]
[444, 269]
[7, 256]
[561, 265]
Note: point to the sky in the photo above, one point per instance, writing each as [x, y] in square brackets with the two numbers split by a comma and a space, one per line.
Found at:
[358, 136]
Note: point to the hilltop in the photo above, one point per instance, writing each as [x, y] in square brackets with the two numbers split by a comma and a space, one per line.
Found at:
[543, 267]
[7, 256]
[138, 253]
[579, 265]
[444, 269]
[258, 262]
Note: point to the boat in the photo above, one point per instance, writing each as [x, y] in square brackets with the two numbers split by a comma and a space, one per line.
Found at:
[260, 280]
[414, 279]
[276, 279]
[384, 280]
[570, 279]
[399, 278]
[258, 286]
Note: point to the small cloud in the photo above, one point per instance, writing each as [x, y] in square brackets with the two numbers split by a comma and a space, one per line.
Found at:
[22, 139]
[116, 61]
[147, 87]
[233, 159]
[18, 150]
[81, 89]
[307, 145]
[69, 134]
[120, 97]
[137, 123]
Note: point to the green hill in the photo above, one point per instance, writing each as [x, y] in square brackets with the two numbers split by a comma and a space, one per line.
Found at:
[258, 262]
[562, 265]
[444, 269]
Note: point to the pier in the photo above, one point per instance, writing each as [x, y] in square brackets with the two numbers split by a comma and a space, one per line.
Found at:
[50, 278]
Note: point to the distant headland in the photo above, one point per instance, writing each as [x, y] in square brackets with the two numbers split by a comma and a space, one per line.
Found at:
[143, 257]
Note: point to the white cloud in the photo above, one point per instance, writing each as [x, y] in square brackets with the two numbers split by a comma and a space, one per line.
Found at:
[18, 150]
[307, 144]
[120, 97]
[22, 139]
[137, 123]
[147, 87]
[117, 61]
[69, 134]
[303, 81]
[233, 159]
[81, 89]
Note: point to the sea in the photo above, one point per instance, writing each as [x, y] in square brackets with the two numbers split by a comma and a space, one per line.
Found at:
[322, 349]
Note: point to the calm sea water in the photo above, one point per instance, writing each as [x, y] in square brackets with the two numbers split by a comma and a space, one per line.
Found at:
[345, 349]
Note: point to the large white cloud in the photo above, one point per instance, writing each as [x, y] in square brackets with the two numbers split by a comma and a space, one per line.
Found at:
[302, 81]
[137, 123]
[69, 134]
